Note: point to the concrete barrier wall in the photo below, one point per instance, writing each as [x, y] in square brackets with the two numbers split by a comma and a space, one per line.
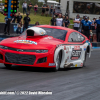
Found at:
[13, 27]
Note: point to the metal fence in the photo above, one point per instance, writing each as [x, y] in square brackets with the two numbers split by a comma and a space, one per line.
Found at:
[39, 10]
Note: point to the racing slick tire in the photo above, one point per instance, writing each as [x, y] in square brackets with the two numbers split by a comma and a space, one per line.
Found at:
[85, 58]
[8, 66]
[58, 61]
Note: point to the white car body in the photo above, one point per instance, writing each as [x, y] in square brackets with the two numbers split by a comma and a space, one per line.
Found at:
[73, 55]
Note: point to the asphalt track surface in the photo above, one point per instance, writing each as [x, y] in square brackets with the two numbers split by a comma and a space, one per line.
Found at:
[68, 84]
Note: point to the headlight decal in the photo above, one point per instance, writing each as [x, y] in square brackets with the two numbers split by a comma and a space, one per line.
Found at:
[41, 51]
[3, 47]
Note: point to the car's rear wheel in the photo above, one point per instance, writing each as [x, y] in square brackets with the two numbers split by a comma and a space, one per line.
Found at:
[8, 66]
[58, 61]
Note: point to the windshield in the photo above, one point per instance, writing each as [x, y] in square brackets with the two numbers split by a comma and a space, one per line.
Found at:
[56, 33]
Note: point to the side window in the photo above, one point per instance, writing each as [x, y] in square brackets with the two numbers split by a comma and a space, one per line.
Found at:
[80, 38]
[72, 37]
[75, 37]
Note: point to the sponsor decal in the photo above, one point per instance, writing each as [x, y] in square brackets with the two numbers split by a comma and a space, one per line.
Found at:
[88, 42]
[48, 38]
[74, 58]
[67, 50]
[76, 54]
[64, 47]
[42, 32]
[59, 45]
[76, 65]
[81, 64]
[76, 47]
[25, 42]
[52, 64]
[66, 59]
[84, 48]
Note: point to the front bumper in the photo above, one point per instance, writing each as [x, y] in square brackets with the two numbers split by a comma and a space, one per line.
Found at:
[10, 57]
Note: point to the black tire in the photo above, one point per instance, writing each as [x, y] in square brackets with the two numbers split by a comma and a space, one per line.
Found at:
[8, 66]
[85, 58]
[58, 61]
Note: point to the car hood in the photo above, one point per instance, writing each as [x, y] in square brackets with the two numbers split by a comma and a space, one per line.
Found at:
[37, 42]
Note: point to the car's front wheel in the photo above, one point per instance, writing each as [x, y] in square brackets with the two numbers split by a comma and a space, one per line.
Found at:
[58, 61]
[8, 66]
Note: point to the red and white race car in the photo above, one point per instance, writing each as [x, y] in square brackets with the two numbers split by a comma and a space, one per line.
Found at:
[46, 46]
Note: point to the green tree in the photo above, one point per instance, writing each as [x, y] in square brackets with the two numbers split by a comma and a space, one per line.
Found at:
[53, 0]
[46, 1]
[58, 1]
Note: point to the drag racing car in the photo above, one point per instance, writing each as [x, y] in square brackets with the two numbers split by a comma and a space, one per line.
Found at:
[46, 46]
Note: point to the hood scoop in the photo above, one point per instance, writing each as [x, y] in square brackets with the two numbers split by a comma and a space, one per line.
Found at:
[35, 31]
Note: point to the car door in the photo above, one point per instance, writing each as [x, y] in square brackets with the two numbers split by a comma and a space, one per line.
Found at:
[77, 48]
